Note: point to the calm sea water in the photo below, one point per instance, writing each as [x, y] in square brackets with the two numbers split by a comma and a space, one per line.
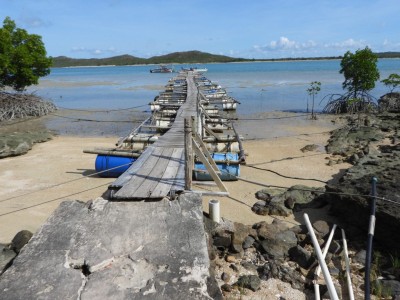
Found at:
[259, 86]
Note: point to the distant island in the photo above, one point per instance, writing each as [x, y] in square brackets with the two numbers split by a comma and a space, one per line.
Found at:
[187, 57]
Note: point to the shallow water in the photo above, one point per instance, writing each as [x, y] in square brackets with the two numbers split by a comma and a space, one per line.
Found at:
[91, 95]
[259, 86]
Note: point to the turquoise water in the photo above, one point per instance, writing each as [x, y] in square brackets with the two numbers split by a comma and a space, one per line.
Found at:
[259, 86]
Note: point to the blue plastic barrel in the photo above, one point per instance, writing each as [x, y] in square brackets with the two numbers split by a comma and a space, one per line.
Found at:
[117, 164]
[228, 172]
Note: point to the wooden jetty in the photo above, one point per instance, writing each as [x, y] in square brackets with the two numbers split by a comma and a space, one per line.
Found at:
[160, 170]
[161, 167]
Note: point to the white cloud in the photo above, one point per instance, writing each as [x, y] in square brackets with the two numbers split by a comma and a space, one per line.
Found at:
[349, 43]
[34, 22]
[96, 52]
[388, 45]
[285, 44]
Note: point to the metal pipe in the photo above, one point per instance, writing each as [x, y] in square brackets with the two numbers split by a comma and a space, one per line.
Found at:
[346, 259]
[328, 279]
[371, 230]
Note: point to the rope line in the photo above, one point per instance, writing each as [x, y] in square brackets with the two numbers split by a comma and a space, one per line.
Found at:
[92, 120]
[269, 118]
[284, 176]
[52, 200]
[110, 110]
[65, 182]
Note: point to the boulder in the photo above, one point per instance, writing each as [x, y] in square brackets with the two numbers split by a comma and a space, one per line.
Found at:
[300, 197]
[390, 102]
[251, 282]
[19, 143]
[275, 206]
[301, 256]
[239, 235]
[20, 240]
[277, 247]
[322, 228]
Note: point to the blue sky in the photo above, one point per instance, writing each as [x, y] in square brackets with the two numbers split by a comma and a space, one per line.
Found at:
[249, 29]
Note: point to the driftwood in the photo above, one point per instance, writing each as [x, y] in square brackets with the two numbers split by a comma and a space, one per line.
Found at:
[19, 105]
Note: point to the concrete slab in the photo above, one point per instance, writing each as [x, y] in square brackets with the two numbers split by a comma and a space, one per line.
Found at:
[115, 250]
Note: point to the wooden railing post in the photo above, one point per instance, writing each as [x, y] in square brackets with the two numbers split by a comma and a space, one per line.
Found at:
[188, 154]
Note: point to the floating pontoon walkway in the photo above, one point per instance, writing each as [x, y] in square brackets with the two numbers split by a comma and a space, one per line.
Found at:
[161, 167]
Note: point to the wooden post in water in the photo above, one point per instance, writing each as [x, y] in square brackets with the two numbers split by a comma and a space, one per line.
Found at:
[188, 154]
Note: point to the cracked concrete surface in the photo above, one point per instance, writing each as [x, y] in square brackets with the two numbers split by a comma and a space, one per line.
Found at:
[111, 250]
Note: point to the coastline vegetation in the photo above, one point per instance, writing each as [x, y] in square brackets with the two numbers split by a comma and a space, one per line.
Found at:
[188, 57]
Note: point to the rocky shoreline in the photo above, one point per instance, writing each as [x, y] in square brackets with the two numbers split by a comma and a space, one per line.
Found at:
[246, 258]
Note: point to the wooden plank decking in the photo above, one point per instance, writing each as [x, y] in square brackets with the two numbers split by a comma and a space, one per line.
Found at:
[160, 168]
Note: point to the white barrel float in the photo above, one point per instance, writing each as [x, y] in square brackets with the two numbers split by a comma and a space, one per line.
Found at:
[112, 166]
[229, 172]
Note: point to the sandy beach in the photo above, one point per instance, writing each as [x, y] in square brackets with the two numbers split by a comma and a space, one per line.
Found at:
[33, 185]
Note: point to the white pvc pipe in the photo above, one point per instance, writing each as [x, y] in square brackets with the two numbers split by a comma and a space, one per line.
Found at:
[318, 270]
[346, 259]
[328, 279]
[325, 251]
[213, 209]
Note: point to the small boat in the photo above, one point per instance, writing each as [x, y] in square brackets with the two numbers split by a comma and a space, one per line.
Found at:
[195, 69]
[162, 69]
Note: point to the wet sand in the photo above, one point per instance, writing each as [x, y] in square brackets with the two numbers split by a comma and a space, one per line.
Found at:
[33, 185]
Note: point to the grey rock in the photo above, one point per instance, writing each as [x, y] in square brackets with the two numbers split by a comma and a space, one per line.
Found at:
[311, 147]
[360, 257]
[226, 287]
[334, 247]
[388, 287]
[222, 240]
[18, 143]
[301, 256]
[251, 282]
[277, 247]
[20, 240]
[260, 208]
[238, 237]
[248, 266]
[322, 228]
[272, 269]
[248, 242]
[277, 207]
[300, 197]
[263, 195]
[390, 102]
[325, 293]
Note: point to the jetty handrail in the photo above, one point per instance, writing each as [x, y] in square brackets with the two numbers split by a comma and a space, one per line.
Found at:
[193, 143]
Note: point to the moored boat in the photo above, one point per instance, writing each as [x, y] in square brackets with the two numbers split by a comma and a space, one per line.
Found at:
[162, 69]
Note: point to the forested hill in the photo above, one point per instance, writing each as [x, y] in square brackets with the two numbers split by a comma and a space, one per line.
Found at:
[187, 57]
[176, 57]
